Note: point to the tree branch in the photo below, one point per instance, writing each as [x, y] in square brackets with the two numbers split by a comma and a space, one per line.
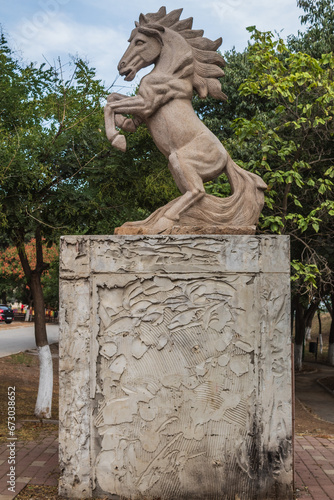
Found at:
[44, 223]
[19, 243]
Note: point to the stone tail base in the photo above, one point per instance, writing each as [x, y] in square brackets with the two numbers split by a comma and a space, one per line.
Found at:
[127, 229]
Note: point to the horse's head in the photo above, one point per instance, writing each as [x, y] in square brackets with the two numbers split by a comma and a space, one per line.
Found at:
[144, 49]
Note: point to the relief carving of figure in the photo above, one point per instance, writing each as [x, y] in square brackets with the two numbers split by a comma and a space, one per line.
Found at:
[184, 62]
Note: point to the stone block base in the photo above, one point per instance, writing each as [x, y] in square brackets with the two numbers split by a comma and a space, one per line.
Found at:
[175, 372]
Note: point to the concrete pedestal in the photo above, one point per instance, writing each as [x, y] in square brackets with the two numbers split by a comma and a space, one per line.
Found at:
[175, 372]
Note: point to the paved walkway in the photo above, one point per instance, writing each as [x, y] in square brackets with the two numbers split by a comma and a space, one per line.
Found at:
[16, 339]
[314, 468]
[310, 393]
[37, 464]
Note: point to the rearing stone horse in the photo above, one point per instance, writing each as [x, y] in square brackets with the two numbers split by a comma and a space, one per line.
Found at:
[184, 61]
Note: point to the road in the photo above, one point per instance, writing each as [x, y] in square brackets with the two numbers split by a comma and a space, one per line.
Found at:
[13, 340]
[313, 395]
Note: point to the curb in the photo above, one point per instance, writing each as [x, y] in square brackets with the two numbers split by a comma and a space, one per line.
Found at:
[311, 412]
[324, 386]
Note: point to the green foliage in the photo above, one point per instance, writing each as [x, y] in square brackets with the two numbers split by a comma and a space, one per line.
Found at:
[40, 151]
[219, 116]
[50, 137]
[290, 144]
[50, 283]
[57, 168]
[307, 273]
[140, 178]
[58, 172]
[318, 39]
[219, 187]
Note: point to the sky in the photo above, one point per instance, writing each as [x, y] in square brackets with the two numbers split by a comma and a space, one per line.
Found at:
[98, 30]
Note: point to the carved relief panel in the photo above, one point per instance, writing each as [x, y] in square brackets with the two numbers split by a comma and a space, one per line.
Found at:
[189, 381]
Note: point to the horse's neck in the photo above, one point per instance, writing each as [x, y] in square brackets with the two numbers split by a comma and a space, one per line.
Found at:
[174, 52]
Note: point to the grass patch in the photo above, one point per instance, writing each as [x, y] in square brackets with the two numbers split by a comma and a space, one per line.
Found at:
[22, 358]
[22, 372]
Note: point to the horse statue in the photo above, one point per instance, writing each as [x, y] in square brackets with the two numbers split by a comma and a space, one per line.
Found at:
[184, 61]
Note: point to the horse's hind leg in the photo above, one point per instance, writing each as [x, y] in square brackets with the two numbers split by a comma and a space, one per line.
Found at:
[189, 183]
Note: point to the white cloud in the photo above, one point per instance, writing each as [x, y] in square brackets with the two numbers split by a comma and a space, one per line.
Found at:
[59, 36]
[98, 29]
[266, 15]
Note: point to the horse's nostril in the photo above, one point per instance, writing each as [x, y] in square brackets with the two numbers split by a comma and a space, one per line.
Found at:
[122, 64]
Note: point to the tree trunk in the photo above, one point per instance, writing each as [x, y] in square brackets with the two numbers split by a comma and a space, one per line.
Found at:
[308, 332]
[331, 354]
[331, 338]
[304, 318]
[320, 332]
[299, 334]
[44, 396]
[40, 325]
[298, 357]
[309, 316]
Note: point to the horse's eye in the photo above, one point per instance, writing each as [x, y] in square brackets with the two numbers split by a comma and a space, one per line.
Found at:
[140, 42]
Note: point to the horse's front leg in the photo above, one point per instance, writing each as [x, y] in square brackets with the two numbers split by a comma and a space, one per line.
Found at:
[114, 119]
[116, 97]
[127, 124]
[111, 121]
[135, 105]
[117, 141]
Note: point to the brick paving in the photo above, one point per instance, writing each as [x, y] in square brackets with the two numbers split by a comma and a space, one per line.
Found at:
[314, 468]
[37, 464]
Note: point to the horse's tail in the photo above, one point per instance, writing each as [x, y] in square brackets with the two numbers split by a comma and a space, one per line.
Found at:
[247, 198]
[240, 210]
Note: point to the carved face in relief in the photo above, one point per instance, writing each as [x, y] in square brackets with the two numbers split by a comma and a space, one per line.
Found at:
[143, 50]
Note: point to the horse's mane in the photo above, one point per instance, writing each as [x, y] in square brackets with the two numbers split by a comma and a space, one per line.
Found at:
[207, 61]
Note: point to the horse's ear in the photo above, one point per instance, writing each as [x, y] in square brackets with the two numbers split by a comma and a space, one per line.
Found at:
[136, 24]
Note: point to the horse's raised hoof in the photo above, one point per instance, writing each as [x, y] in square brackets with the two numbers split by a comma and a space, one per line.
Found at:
[119, 143]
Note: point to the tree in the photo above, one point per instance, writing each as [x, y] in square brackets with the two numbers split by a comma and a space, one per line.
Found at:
[59, 174]
[329, 303]
[318, 38]
[290, 144]
[47, 127]
[12, 278]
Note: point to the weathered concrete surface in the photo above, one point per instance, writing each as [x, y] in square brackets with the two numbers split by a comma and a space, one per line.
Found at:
[175, 367]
